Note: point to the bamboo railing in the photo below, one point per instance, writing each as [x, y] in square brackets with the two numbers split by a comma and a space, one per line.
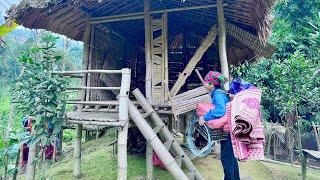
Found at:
[81, 118]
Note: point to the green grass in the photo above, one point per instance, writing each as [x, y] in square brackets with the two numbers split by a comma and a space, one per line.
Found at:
[284, 172]
[211, 168]
[99, 163]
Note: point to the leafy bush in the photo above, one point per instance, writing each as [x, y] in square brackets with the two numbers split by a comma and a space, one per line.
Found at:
[38, 90]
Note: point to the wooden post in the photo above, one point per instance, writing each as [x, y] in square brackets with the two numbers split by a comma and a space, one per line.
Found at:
[304, 165]
[222, 43]
[148, 83]
[123, 117]
[165, 55]
[155, 142]
[149, 152]
[86, 52]
[79, 127]
[165, 132]
[77, 151]
[88, 81]
[317, 135]
[206, 43]
[148, 55]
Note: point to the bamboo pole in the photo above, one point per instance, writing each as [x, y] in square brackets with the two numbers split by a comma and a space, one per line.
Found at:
[165, 55]
[222, 43]
[85, 61]
[149, 151]
[200, 77]
[166, 133]
[316, 134]
[124, 118]
[148, 54]
[159, 148]
[140, 15]
[206, 43]
[88, 91]
[86, 71]
[77, 151]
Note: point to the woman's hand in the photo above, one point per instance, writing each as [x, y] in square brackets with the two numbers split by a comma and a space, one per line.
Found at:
[201, 121]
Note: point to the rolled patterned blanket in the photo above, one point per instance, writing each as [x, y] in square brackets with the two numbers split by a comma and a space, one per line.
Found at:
[203, 108]
[246, 128]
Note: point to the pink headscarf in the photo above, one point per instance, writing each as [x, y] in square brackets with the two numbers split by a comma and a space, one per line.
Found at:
[215, 78]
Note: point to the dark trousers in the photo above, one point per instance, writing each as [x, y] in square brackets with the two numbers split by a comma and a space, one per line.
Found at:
[229, 162]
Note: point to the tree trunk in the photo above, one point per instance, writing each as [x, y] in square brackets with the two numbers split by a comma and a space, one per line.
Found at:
[16, 167]
[31, 166]
[6, 142]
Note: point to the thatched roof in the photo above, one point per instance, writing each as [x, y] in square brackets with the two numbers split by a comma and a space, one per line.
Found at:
[68, 17]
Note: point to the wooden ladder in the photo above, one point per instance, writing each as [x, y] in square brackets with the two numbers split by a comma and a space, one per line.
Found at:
[159, 51]
[164, 145]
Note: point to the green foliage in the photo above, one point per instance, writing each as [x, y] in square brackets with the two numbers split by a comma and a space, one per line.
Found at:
[7, 28]
[38, 90]
[286, 84]
[291, 28]
[288, 79]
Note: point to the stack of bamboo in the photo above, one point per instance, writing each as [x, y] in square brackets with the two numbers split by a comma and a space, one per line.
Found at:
[187, 101]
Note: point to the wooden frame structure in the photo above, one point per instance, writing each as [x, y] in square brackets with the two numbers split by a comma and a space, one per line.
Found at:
[146, 36]
[121, 120]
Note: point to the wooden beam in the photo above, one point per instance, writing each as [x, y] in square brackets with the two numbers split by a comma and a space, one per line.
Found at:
[88, 71]
[140, 15]
[206, 43]
[148, 55]
[222, 38]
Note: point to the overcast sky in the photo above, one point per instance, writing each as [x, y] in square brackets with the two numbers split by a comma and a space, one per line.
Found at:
[4, 5]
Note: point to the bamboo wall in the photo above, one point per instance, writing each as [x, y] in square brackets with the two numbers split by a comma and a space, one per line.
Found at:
[108, 53]
[111, 51]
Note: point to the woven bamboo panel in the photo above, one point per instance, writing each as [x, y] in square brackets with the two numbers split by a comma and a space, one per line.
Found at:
[187, 101]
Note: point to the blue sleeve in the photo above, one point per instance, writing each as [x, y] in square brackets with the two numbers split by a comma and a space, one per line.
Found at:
[220, 107]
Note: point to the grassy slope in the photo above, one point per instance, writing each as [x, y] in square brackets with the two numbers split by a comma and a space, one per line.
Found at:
[98, 162]
[284, 172]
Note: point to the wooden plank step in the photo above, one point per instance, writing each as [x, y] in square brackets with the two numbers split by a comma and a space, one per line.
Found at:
[102, 103]
[118, 123]
[156, 28]
[157, 40]
[92, 116]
